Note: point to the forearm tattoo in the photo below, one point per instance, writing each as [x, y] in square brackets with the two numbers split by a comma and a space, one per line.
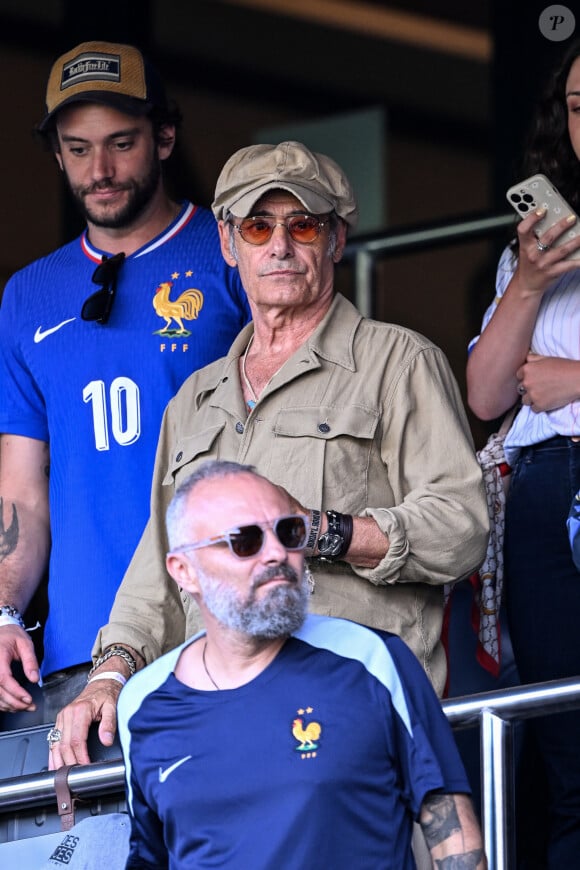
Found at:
[8, 536]
[441, 819]
[439, 822]
[469, 861]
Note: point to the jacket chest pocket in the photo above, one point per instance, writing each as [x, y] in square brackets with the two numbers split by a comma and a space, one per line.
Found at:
[190, 451]
[327, 451]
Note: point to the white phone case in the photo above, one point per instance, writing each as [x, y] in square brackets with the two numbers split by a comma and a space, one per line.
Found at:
[538, 192]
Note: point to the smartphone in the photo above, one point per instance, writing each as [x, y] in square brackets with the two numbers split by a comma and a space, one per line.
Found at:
[538, 192]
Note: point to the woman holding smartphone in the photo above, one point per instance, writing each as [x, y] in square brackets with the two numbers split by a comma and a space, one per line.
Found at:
[529, 350]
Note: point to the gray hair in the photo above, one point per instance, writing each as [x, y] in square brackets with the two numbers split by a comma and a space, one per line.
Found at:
[176, 520]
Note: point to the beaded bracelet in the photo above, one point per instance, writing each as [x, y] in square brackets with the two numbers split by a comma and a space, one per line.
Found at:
[109, 675]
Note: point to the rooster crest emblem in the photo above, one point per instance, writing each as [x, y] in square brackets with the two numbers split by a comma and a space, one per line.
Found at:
[308, 736]
[186, 307]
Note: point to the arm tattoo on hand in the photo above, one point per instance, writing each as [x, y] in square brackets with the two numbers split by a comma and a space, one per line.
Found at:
[8, 536]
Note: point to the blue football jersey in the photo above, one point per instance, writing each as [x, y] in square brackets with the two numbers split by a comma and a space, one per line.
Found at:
[323, 760]
[96, 393]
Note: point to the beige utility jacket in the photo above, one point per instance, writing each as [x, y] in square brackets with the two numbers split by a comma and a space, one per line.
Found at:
[365, 418]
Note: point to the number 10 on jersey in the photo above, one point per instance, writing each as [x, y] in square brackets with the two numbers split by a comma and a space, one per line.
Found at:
[121, 407]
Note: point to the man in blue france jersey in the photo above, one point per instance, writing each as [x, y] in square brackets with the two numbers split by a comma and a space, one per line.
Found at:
[95, 338]
[273, 738]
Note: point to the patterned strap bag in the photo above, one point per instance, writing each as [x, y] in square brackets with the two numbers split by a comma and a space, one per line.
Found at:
[487, 582]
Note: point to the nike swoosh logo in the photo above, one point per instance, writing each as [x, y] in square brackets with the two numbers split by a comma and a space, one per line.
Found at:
[163, 774]
[39, 335]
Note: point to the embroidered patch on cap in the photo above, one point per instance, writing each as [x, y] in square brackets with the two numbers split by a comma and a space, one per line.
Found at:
[91, 67]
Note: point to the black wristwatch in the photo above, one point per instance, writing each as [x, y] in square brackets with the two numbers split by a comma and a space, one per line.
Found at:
[335, 541]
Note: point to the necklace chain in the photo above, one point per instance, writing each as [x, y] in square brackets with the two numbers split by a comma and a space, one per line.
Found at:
[205, 667]
[251, 403]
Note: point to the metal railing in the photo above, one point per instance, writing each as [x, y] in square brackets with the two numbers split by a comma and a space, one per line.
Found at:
[364, 251]
[85, 780]
[493, 712]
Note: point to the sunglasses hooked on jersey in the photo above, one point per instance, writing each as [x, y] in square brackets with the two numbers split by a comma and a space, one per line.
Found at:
[258, 229]
[247, 541]
[100, 304]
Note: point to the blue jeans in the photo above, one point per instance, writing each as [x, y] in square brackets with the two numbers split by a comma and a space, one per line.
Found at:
[543, 607]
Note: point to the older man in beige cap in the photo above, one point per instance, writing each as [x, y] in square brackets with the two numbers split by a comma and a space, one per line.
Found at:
[360, 422]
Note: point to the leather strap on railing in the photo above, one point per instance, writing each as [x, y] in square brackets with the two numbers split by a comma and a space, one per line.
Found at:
[65, 801]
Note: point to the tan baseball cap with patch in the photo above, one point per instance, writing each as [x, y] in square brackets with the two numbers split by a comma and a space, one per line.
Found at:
[314, 179]
[103, 72]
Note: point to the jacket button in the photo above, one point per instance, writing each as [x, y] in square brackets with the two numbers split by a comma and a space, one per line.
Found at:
[324, 428]
[239, 428]
[179, 457]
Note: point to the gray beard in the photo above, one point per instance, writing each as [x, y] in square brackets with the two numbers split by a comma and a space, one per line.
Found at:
[277, 614]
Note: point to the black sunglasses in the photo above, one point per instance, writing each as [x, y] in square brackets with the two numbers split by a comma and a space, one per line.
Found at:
[247, 541]
[100, 304]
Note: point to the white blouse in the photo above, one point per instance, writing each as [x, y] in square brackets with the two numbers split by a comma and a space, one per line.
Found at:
[556, 333]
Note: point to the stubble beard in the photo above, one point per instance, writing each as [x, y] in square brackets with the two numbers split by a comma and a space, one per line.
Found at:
[141, 192]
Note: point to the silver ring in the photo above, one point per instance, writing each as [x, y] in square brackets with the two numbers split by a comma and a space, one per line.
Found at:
[541, 247]
[521, 389]
[54, 736]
